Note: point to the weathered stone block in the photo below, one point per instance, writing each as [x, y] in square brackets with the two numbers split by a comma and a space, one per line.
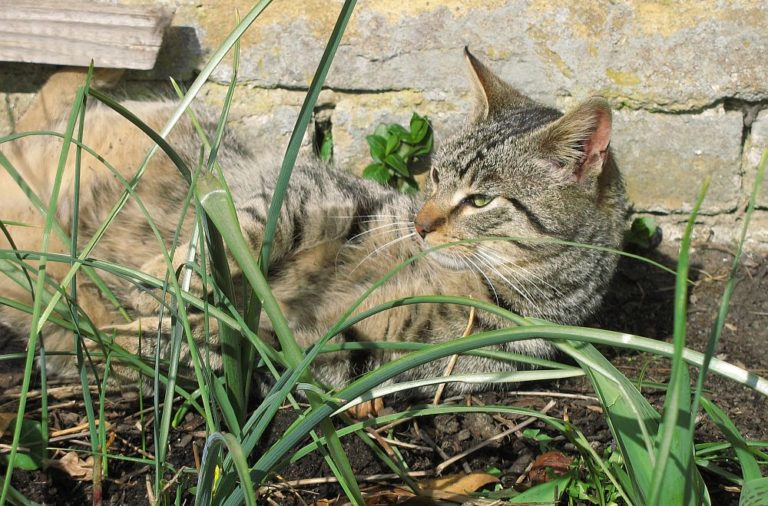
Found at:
[756, 144]
[655, 55]
[665, 158]
[757, 235]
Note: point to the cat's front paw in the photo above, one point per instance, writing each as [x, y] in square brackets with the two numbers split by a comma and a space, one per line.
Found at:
[147, 298]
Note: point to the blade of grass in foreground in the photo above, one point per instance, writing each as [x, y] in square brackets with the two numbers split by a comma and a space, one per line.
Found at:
[291, 350]
[221, 210]
[209, 464]
[717, 326]
[754, 491]
[233, 344]
[755, 488]
[98, 448]
[749, 467]
[37, 311]
[675, 468]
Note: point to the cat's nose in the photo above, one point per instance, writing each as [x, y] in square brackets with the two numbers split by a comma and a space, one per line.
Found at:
[429, 218]
[423, 227]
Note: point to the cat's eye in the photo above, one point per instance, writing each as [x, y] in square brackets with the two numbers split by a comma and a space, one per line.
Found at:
[479, 200]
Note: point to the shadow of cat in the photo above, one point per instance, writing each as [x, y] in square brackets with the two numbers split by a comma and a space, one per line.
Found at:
[640, 298]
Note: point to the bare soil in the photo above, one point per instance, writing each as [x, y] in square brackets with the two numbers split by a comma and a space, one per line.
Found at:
[639, 302]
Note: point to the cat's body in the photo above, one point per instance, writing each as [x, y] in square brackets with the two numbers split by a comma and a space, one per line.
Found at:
[518, 170]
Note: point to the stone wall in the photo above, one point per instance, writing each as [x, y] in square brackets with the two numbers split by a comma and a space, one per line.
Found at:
[688, 81]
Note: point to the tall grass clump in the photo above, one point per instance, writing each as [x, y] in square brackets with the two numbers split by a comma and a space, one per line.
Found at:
[656, 456]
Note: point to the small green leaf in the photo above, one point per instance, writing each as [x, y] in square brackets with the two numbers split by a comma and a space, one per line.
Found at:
[326, 149]
[406, 151]
[392, 142]
[398, 164]
[493, 471]
[377, 172]
[382, 130]
[644, 233]
[749, 466]
[378, 146]
[425, 149]
[419, 128]
[32, 440]
[536, 435]
[548, 492]
[407, 185]
[398, 130]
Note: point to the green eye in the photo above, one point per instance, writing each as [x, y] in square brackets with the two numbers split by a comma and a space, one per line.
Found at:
[479, 200]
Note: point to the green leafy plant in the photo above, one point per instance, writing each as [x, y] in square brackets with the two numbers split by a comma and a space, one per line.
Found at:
[396, 150]
[644, 233]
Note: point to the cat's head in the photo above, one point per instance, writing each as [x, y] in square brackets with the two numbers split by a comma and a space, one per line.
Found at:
[519, 169]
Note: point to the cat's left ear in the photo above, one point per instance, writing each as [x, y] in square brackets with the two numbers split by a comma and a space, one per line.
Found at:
[578, 142]
[492, 94]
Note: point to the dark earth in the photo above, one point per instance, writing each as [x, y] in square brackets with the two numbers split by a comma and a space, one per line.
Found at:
[639, 302]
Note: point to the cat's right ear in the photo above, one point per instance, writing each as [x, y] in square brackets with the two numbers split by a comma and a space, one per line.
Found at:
[578, 142]
[491, 93]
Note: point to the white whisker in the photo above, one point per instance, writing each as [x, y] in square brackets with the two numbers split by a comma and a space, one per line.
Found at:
[382, 247]
[499, 258]
[490, 283]
[394, 225]
[374, 217]
[523, 293]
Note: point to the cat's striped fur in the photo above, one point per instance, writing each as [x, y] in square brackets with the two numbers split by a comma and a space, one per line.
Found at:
[518, 169]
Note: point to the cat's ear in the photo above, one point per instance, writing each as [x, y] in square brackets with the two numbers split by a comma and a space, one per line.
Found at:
[491, 93]
[578, 142]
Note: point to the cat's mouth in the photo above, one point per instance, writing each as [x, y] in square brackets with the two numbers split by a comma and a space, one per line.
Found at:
[446, 257]
[450, 261]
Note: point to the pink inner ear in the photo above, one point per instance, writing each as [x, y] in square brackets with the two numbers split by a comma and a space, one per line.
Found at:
[596, 146]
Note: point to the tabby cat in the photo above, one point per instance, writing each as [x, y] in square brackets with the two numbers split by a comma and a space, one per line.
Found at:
[517, 169]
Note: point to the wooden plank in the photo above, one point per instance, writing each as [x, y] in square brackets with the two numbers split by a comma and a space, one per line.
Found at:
[74, 33]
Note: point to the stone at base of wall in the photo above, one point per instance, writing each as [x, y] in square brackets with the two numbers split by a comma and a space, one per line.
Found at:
[721, 230]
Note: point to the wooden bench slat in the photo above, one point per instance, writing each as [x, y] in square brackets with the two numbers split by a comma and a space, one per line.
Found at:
[74, 33]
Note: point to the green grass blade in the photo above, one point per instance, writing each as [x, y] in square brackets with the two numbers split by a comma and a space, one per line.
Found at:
[632, 420]
[675, 469]
[220, 208]
[750, 469]
[754, 493]
[96, 434]
[717, 326]
[232, 342]
[37, 312]
[305, 114]
[210, 462]
[547, 493]
[496, 378]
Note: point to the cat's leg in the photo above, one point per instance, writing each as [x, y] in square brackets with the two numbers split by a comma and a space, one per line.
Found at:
[290, 235]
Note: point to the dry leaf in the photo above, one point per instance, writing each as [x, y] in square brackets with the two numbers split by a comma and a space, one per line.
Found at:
[76, 468]
[456, 485]
[5, 421]
[366, 409]
[387, 498]
[547, 464]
